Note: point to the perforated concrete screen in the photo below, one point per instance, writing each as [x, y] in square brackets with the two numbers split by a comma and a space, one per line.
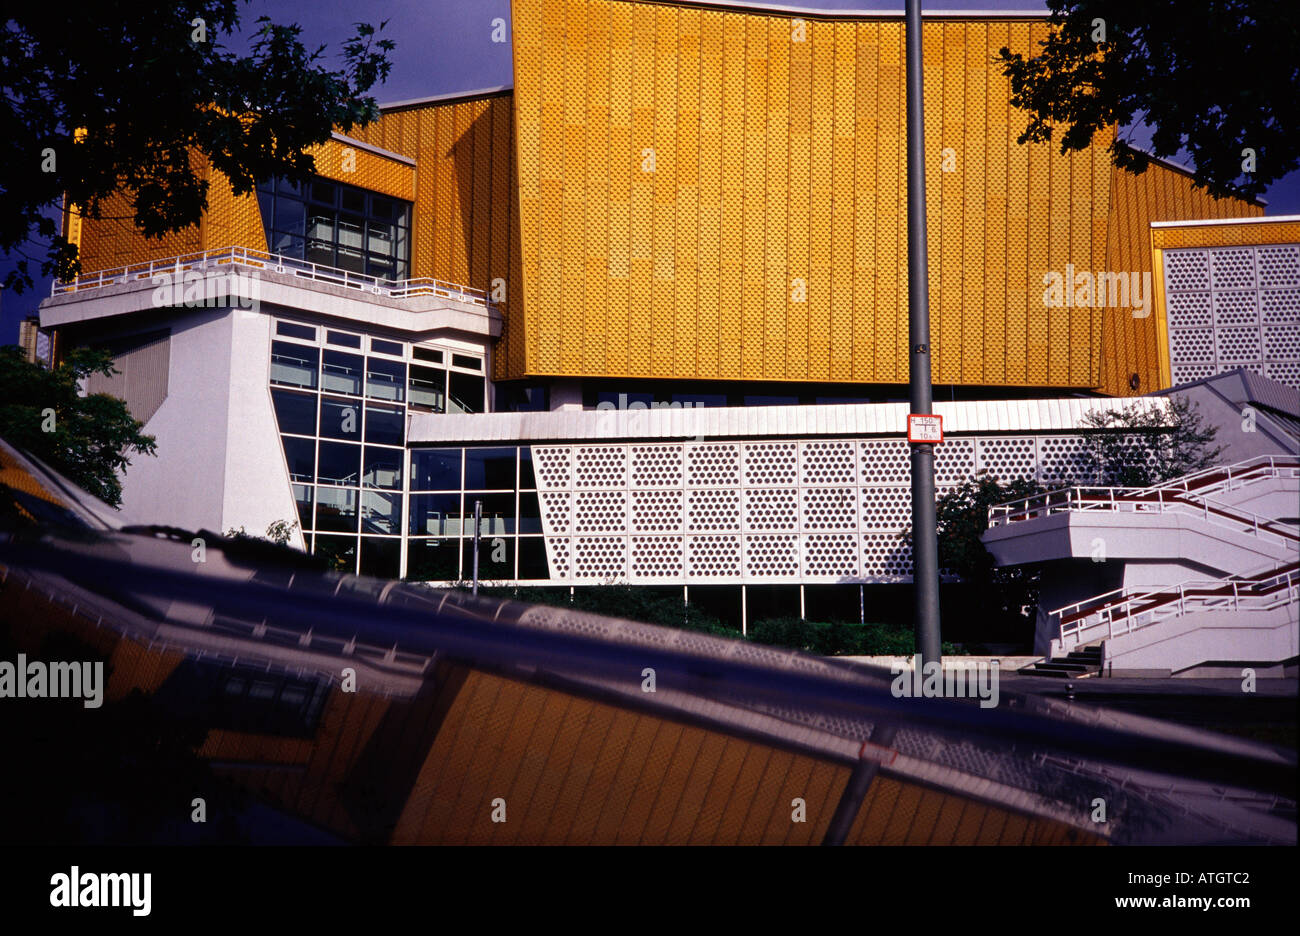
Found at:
[819, 511]
[1234, 306]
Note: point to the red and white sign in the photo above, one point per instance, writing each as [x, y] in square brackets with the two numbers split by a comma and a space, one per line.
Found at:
[924, 428]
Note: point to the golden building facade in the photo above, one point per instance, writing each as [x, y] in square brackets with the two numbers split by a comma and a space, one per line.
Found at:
[686, 192]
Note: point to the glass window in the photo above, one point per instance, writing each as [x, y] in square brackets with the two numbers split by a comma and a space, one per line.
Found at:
[323, 192]
[385, 425]
[515, 399]
[489, 469]
[527, 479]
[385, 380]
[302, 495]
[388, 209]
[288, 244]
[352, 199]
[428, 388]
[290, 216]
[336, 510]
[342, 373]
[498, 516]
[532, 558]
[294, 364]
[464, 393]
[427, 354]
[761, 400]
[700, 399]
[343, 339]
[433, 560]
[295, 412]
[350, 232]
[340, 419]
[383, 468]
[292, 330]
[464, 360]
[380, 557]
[350, 260]
[300, 455]
[496, 558]
[385, 347]
[435, 470]
[381, 512]
[339, 551]
[339, 464]
[530, 513]
[339, 226]
[435, 515]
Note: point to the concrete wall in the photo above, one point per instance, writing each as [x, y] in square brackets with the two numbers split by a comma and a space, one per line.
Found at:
[257, 489]
[1065, 582]
[1195, 643]
[184, 485]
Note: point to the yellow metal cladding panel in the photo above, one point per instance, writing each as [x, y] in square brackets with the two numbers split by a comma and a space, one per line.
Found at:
[1226, 235]
[112, 240]
[467, 207]
[995, 204]
[573, 771]
[770, 240]
[231, 220]
[866, 91]
[1129, 337]
[344, 163]
[978, 178]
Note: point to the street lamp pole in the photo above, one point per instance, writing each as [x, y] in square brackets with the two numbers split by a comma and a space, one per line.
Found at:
[925, 539]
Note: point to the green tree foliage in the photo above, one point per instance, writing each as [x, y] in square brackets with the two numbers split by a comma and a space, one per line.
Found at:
[1005, 597]
[278, 532]
[87, 438]
[838, 638]
[1212, 78]
[1137, 447]
[124, 94]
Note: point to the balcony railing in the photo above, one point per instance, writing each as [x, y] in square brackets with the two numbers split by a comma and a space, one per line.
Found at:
[210, 260]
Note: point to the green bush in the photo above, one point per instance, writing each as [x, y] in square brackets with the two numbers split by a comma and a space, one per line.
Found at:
[836, 638]
[653, 607]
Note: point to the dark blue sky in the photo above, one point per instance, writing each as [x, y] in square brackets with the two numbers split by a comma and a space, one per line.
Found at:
[445, 46]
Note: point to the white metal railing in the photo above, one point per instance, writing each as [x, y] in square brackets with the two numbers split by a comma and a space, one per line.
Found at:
[1155, 497]
[1115, 613]
[272, 263]
[1235, 476]
[1139, 500]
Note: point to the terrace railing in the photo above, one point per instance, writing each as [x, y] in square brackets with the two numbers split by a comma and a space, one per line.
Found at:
[209, 260]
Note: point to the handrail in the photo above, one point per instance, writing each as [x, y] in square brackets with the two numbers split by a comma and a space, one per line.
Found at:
[1242, 468]
[1145, 608]
[1272, 466]
[1118, 499]
[393, 289]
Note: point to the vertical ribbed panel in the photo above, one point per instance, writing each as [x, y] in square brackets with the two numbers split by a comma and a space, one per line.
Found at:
[465, 226]
[1129, 342]
[722, 194]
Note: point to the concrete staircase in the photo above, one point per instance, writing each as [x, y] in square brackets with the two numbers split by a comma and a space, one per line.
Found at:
[1079, 663]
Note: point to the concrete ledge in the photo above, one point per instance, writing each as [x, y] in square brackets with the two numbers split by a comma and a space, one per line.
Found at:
[1005, 663]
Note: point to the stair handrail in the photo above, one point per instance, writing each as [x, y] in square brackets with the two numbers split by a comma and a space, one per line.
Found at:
[1093, 497]
[1262, 589]
[1274, 463]
[1000, 514]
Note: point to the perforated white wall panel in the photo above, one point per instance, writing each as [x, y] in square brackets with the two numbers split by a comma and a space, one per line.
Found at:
[825, 510]
[1234, 307]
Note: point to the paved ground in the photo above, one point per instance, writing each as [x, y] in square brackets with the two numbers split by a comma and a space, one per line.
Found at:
[1268, 714]
[1110, 686]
